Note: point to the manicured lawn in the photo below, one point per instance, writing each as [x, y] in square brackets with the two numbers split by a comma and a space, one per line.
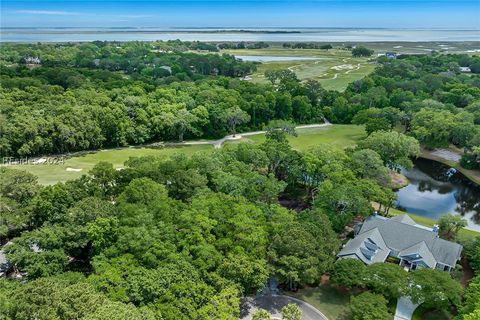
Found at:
[50, 174]
[334, 69]
[340, 136]
[330, 301]
[337, 135]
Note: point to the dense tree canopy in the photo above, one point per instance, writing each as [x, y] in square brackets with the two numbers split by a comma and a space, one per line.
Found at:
[102, 94]
[168, 238]
[185, 237]
[361, 52]
[427, 94]
[394, 148]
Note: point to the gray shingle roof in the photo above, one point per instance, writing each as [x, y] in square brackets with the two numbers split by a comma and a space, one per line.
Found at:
[404, 218]
[419, 251]
[401, 235]
[369, 247]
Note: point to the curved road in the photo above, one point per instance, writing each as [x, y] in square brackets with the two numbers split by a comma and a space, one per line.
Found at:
[215, 143]
[274, 305]
[219, 143]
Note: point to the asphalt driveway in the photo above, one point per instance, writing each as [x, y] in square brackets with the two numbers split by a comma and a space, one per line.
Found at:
[274, 304]
[405, 309]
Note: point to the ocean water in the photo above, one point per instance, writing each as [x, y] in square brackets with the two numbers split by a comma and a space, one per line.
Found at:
[273, 35]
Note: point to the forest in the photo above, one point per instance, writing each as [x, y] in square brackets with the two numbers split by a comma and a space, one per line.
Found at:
[186, 237]
[95, 95]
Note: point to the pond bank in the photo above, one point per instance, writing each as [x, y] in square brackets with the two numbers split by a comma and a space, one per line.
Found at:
[463, 233]
[472, 175]
[435, 189]
[398, 180]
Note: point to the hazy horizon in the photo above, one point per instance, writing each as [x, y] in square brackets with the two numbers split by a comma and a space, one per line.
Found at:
[439, 14]
[238, 28]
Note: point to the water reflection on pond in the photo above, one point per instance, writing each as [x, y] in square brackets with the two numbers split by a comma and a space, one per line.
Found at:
[433, 191]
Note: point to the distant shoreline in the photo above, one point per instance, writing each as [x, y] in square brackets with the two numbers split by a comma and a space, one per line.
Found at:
[115, 31]
[326, 35]
[169, 29]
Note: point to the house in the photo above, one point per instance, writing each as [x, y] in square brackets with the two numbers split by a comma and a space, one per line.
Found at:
[401, 240]
[391, 55]
[32, 60]
[465, 69]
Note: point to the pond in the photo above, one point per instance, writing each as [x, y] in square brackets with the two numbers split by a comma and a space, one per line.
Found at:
[273, 58]
[436, 189]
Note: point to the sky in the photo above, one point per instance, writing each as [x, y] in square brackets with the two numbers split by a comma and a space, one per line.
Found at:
[261, 14]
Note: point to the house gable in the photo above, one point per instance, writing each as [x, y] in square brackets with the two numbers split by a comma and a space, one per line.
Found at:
[401, 237]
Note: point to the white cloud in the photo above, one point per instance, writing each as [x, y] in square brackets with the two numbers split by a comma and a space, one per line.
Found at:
[49, 12]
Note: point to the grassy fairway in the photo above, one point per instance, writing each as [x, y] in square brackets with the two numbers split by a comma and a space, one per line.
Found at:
[330, 301]
[337, 135]
[340, 136]
[50, 174]
[335, 69]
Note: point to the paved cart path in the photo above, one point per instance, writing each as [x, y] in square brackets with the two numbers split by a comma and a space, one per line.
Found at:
[219, 143]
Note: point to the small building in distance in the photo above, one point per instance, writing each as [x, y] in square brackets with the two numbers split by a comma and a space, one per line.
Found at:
[411, 245]
[32, 60]
[465, 69]
[391, 55]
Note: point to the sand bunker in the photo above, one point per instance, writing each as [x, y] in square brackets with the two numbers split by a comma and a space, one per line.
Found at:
[344, 67]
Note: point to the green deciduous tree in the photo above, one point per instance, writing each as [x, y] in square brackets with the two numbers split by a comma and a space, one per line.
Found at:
[394, 148]
[436, 289]
[55, 298]
[377, 124]
[349, 273]
[367, 164]
[472, 252]
[17, 188]
[233, 117]
[471, 304]
[291, 312]
[389, 280]
[433, 127]
[301, 109]
[250, 273]
[299, 256]
[369, 306]
[450, 225]
[361, 52]
[261, 314]
[341, 202]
